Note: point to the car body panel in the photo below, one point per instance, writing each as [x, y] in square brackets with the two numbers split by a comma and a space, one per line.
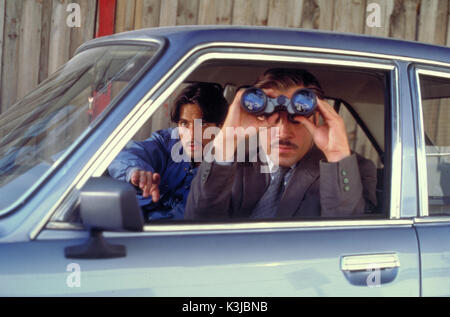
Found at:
[302, 262]
[435, 258]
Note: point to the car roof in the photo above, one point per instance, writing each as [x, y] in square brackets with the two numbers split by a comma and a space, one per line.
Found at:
[187, 37]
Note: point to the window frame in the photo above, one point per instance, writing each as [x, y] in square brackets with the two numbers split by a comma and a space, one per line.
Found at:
[251, 51]
[419, 131]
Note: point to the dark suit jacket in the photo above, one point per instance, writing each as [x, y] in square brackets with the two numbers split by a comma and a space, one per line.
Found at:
[316, 188]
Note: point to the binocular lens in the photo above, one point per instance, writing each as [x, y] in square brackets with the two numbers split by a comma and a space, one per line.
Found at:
[254, 100]
[304, 101]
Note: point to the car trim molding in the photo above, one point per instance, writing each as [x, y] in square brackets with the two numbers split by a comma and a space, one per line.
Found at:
[420, 150]
[432, 219]
[273, 225]
[396, 173]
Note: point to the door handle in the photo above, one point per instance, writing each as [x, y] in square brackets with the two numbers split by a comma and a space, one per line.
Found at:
[353, 263]
[370, 269]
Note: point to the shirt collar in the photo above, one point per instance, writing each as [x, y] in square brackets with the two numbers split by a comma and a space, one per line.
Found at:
[273, 168]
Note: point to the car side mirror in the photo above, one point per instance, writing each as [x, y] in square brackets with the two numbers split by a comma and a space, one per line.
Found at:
[110, 205]
[106, 204]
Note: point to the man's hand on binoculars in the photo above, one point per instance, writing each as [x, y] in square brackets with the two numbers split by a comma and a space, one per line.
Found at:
[238, 118]
[331, 136]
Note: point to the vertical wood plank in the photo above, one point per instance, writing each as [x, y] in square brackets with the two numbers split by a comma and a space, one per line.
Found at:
[125, 15]
[261, 9]
[251, 12]
[97, 18]
[207, 12]
[278, 10]
[46, 18]
[11, 40]
[168, 14]
[304, 14]
[187, 12]
[386, 10]
[326, 14]
[349, 16]
[433, 15]
[2, 25]
[147, 13]
[138, 7]
[448, 24]
[224, 12]
[87, 30]
[29, 47]
[403, 21]
[242, 12]
[59, 35]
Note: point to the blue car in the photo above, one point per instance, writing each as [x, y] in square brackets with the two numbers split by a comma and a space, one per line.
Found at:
[68, 229]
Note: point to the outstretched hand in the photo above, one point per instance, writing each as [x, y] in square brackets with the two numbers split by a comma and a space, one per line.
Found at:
[148, 182]
[331, 136]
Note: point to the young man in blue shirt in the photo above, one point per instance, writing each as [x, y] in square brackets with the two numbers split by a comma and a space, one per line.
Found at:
[154, 166]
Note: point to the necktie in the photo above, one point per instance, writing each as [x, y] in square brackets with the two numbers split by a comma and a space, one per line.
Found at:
[267, 206]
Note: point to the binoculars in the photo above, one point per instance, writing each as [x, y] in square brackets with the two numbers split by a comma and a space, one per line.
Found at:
[302, 103]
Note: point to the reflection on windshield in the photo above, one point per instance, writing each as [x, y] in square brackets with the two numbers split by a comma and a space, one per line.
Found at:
[39, 129]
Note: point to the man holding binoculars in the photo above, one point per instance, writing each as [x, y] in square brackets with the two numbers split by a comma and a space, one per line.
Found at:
[312, 170]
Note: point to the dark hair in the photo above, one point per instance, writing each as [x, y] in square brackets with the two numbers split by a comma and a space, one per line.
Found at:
[283, 78]
[209, 97]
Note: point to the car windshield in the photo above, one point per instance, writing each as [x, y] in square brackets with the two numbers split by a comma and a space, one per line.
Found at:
[37, 132]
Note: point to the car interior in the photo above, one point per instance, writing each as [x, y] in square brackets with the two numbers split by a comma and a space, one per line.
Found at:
[360, 96]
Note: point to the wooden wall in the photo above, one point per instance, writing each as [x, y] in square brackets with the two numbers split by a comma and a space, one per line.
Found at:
[36, 40]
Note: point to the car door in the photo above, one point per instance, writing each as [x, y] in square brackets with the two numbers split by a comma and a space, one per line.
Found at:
[337, 257]
[380, 259]
[432, 108]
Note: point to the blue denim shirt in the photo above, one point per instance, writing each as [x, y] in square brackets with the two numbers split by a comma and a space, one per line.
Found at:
[154, 154]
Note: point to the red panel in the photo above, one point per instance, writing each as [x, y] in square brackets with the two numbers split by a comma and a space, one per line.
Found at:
[106, 17]
[99, 102]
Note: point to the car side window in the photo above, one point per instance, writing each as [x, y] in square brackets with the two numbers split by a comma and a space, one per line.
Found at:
[361, 106]
[435, 97]
[358, 95]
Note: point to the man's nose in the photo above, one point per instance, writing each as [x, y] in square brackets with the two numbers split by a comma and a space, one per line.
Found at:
[284, 125]
[191, 132]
